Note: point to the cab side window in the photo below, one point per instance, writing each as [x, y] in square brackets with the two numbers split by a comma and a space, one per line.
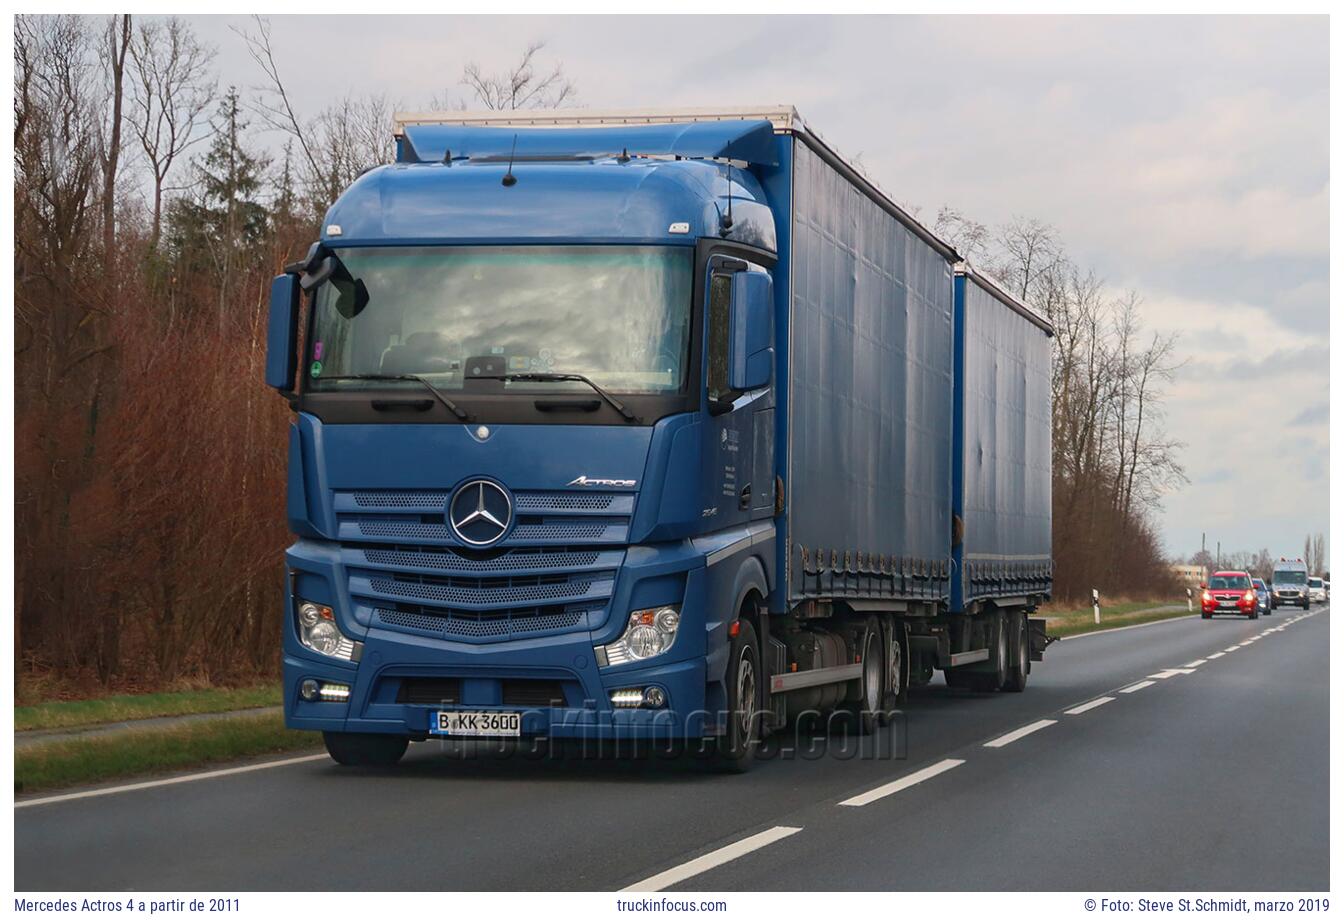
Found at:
[720, 298]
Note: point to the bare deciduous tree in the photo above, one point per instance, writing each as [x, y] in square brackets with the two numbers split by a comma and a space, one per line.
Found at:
[173, 89]
[521, 86]
[117, 37]
[338, 143]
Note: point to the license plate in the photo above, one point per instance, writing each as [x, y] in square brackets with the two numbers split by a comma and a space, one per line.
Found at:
[477, 724]
[1227, 603]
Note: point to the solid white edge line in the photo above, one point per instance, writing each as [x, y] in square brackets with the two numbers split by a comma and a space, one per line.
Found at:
[712, 859]
[1117, 629]
[171, 781]
[1022, 732]
[1079, 710]
[905, 782]
[1134, 688]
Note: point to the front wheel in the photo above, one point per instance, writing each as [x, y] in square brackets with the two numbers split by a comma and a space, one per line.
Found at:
[360, 750]
[735, 750]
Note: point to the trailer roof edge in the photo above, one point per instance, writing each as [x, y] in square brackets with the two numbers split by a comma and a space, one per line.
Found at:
[997, 291]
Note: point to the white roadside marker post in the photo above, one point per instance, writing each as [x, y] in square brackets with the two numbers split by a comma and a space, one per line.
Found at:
[1189, 601]
[1096, 607]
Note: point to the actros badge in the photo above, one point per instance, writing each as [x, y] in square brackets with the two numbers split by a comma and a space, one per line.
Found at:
[609, 483]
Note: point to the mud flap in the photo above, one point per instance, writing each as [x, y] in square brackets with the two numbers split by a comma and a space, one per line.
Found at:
[1039, 640]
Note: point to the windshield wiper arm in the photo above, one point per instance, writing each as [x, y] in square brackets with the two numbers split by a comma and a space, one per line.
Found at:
[548, 377]
[438, 394]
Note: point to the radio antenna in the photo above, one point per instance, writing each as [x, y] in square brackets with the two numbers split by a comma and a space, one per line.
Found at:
[510, 179]
[726, 220]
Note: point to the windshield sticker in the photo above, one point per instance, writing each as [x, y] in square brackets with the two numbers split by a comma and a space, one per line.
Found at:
[316, 369]
[317, 351]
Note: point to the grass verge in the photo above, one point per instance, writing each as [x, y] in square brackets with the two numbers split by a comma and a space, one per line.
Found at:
[76, 713]
[137, 752]
[1076, 622]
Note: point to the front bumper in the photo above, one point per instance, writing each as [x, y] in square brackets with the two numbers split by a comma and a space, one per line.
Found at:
[401, 679]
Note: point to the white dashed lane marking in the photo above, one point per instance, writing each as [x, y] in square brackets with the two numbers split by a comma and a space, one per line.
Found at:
[1019, 733]
[1217, 655]
[905, 782]
[712, 859]
[1196, 663]
[1079, 710]
[1137, 687]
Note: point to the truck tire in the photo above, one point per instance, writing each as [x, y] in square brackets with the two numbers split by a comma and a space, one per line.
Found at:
[735, 750]
[1020, 650]
[358, 750]
[988, 682]
[865, 713]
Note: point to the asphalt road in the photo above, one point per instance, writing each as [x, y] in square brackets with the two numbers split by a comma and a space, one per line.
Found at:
[1214, 776]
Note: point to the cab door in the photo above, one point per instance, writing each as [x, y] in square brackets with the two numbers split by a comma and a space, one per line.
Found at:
[741, 475]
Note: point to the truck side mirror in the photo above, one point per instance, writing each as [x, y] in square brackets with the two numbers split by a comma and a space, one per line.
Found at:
[282, 333]
[751, 354]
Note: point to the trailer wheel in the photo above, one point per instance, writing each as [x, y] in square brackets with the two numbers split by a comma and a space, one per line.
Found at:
[735, 750]
[1021, 666]
[350, 749]
[865, 713]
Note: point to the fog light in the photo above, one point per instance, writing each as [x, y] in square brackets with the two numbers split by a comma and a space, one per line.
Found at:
[655, 698]
[308, 689]
[335, 693]
[628, 698]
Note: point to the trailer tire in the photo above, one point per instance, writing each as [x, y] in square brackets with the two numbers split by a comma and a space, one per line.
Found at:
[735, 750]
[865, 713]
[1021, 666]
[351, 749]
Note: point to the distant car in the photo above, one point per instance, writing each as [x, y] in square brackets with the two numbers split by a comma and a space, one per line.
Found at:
[1316, 589]
[1261, 595]
[1327, 590]
[1288, 585]
[1229, 592]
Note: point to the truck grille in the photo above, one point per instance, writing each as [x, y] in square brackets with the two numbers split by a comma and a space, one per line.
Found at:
[555, 572]
[495, 625]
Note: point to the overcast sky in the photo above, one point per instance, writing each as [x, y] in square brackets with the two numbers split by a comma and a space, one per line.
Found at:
[1186, 158]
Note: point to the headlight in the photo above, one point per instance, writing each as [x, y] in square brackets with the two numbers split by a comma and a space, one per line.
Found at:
[318, 631]
[647, 633]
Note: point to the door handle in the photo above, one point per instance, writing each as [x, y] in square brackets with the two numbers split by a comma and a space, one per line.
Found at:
[744, 498]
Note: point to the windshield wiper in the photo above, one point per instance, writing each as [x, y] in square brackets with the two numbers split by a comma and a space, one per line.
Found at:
[438, 394]
[548, 378]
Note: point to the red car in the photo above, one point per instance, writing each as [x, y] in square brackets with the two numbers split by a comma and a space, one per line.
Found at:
[1229, 592]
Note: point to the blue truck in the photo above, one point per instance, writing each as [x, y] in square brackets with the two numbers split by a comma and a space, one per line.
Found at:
[647, 425]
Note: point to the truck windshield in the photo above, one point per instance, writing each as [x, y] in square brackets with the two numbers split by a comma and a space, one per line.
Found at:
[619, 315]
[1290, 577]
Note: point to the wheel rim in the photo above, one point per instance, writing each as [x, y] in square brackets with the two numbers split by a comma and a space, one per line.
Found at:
[746, 694]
